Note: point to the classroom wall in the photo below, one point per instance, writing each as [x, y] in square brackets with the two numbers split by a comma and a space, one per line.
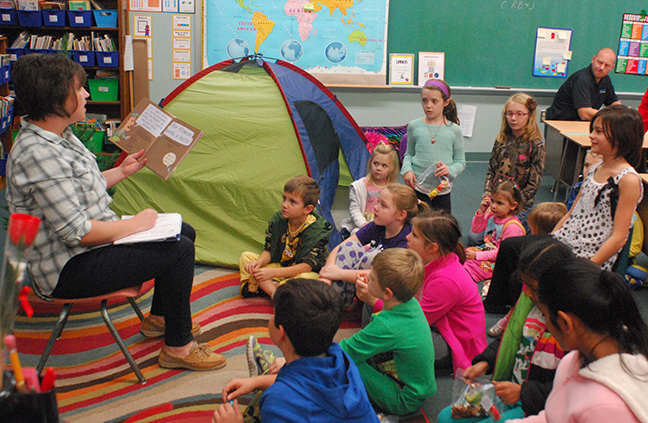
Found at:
[370, 107]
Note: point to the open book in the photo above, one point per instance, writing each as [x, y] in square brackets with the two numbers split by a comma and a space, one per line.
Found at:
[167, 228]
[165, 139]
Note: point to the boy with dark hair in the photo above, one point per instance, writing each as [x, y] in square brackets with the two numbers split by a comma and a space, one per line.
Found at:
[318, 383]
[295, 243]
[395, 353]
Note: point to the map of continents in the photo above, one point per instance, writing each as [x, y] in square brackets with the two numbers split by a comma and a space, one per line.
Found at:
[317, 35]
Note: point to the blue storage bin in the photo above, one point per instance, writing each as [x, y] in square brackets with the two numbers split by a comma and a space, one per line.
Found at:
[5, 74]
[105, 18]
[30, 17]
[5, 122]
[52, 17]
[84, 58]
[107, 59]
[8, 17]
[80, 17]
[15, 53]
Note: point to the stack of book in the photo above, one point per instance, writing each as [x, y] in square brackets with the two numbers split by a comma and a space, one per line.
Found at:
[6, 104]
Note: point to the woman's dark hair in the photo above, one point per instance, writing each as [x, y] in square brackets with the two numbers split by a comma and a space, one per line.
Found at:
[441, 228]
[623, 128]
[542, 255]
[44, 82]
[599, 298]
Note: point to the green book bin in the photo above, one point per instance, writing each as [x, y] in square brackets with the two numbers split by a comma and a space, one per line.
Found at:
[104, 89]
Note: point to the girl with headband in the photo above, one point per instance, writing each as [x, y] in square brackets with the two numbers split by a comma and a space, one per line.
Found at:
[435, 147]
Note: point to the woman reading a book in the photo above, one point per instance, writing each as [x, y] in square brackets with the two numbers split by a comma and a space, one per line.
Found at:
[51, 175]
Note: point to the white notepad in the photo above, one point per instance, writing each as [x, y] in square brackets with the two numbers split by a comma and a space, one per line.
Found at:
[167, 228]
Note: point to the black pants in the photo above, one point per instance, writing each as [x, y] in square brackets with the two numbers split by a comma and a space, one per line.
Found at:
[114, 267]
[506, 285]
[440, 202]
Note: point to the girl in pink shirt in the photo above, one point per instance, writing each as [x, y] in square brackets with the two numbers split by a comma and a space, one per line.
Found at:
[497, 219]
[449, 297]
[591, 312]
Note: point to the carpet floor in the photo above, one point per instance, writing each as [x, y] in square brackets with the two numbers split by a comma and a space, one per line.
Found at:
[96, 384]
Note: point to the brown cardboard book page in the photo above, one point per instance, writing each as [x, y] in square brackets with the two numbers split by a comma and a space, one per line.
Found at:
[165, 139]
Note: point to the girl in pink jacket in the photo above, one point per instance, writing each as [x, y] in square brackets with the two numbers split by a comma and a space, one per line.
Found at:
[592, 313]
[497, 220]
[449, 297]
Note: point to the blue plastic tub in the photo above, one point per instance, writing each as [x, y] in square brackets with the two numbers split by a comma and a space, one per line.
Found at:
[84, 58]
[80, 17]
[15, 53]
[105, 18]
[8, 17]
[30, 17]
[52, 17]
[5, 74]
[107, 59]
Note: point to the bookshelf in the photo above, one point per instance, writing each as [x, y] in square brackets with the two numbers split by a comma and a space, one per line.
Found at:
[5, 138]
[113, 109]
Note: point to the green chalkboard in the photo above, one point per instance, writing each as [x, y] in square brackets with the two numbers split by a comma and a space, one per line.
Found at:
[489, 43]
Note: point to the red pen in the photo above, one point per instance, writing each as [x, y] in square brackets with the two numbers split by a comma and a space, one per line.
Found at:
[48, 380]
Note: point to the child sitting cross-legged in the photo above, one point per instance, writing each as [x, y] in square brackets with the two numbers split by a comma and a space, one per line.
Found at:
[542, 220]
[318, 383]
[523, 362]
[295, 243]
[497, 218]
[395, 353]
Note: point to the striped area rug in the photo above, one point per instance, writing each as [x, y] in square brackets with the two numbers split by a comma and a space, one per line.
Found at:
[96, 384]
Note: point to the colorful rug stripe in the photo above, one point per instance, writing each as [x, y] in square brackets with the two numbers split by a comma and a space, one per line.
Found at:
[95, 383]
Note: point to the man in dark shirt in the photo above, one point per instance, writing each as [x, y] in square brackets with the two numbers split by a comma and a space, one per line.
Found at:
[583, 94]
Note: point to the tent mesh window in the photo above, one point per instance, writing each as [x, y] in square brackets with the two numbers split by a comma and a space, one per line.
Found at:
[321, 131]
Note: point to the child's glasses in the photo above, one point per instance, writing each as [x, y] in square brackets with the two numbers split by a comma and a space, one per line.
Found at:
[516, 114]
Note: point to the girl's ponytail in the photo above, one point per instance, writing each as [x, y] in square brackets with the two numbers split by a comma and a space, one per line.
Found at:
[441, 228]
[625, 323]
[599, 298]
[405, 198]
[450, 112]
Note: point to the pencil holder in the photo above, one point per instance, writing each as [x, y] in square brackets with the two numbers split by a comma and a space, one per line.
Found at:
[30, 407]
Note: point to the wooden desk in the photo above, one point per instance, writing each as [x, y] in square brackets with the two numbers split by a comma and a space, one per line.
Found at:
[566, 145]
[642, 208]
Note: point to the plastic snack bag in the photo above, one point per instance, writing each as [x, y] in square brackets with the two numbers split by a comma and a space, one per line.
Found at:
[475, 398]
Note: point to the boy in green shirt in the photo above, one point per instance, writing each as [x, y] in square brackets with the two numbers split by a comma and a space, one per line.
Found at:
[295, 243]
[394, 353]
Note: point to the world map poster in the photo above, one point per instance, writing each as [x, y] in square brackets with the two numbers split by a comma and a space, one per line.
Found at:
[340, 42]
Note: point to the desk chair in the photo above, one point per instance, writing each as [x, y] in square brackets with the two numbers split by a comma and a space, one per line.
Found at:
[128, 293]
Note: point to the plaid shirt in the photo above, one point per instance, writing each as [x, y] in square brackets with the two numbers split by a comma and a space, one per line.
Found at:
[57, 180]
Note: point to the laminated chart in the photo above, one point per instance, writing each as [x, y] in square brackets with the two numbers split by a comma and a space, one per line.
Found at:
[632, 55]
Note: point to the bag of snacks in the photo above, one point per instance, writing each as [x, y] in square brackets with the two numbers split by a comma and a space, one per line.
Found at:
[475, 398]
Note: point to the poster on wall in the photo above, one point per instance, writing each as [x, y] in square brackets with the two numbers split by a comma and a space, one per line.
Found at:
[632, 55]
[552, 52]
[339, 42]
[401, 69]
[431, 65]
[145, 5]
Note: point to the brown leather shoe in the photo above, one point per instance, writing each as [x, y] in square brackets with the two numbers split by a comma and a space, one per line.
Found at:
[201, 358]
[151, 329]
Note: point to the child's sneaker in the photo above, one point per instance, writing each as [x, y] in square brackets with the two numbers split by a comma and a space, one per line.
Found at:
[258, 361]
[484, 291]
[246, 293]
